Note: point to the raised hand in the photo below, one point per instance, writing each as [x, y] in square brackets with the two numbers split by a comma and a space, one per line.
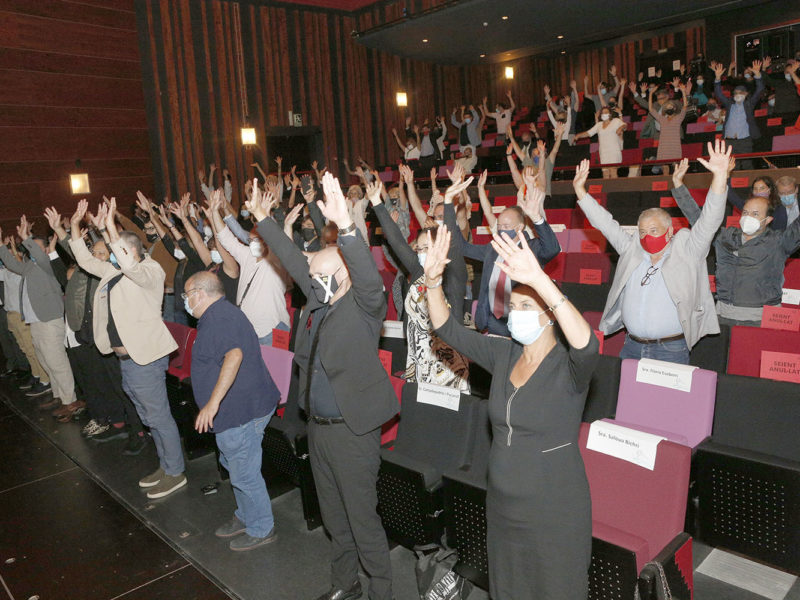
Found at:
[143, 203]
[719, 70]
[482, 178]
[436, 259]
[334, 207]
[581, 175]
[279, 161]
[407, 174]
[455, 189]
[680, 171]
[718, 158]
[519, 263]
[541, 146]
[53, 218]
[613, 70]
[546, 89]
[632, 87]
[99, 220]
[766, 62]
[457, 174]
[757, 64]
[293, 215]
[533, 200]
[77, 218]
[373, 191]
[257, 204]
[24, 228]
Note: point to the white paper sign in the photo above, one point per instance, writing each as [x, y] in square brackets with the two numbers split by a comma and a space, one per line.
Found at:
[676, 65]
[393, 329]
[438, 395]
[636, 447]
[651, 71]
[558, 227]
[483, 230]
[790, 296]
[498, 209]
[665, 374]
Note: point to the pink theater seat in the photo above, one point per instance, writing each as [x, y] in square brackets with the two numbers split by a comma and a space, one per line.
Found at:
[612, 344]
[580, 267]
[784, 143]
[279, 365]
[682, 417]
[180, 361]
[791, 274]
[747, 343]
[380, 258]
[636, 508]
[585, 240]
[389, 429]
[555, 268]
[386, 176]
[562, 216]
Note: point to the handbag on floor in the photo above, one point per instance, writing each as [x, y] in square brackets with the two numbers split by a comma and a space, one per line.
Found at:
[436, 579]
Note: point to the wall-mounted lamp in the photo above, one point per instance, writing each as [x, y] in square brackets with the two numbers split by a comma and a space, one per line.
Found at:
[248, 136]
[509, 72]
[402, 99]
[79, 182]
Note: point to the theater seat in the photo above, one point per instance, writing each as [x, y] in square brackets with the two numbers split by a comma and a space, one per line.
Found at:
[580, 267]
[601, 399]
[430, 440]
[279, 365]
[637, 517]
[747, 343]
[682, 417]
[180, 361]
[748, 473]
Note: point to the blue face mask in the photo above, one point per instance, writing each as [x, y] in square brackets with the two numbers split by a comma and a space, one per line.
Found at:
[789, 199]
[524, 325]
[512, 233]
[113, 260]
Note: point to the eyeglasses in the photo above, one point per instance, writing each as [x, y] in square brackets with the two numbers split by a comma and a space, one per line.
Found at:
[650, 272]
[188, 293]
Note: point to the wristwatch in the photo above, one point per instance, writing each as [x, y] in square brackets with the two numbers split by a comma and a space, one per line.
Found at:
[351, 228]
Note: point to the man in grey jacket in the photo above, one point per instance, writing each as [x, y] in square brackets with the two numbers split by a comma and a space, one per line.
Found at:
[750, 258]
[42, 307]
[660, 291]
[469, 133]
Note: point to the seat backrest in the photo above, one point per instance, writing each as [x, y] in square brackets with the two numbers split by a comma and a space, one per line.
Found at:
[187, 354]
[601, 399]
[181, 335]
[440, 437]
[688, 414]
[747, 343]
[649, 504]
[576, 263]
[760, 415]
[279, 365]
[791, 274]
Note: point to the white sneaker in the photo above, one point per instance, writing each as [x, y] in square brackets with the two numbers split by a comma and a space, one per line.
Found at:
[91, 428]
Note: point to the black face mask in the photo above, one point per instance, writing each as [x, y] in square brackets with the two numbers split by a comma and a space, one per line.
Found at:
[324, 287]
[612, 104]
[669, 111]
[152, 237]
[308, 233]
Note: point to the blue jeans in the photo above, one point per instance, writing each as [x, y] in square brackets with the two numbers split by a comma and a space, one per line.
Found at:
[267, 339]
[240, 453]
[676, 351]
[146, 388]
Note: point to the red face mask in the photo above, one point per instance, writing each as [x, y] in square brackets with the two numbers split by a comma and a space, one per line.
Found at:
[654, 244]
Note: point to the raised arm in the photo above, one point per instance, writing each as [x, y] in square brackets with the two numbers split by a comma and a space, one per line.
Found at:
[598, 216]
[229, 264]
[87, 262]
[391, 231]
[486, 206]
[408, 176]
[397, 140]
[683, 198]
[197, 241]
[713, 213]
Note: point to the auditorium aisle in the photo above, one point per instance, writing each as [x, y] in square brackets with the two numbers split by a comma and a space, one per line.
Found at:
[75, 526]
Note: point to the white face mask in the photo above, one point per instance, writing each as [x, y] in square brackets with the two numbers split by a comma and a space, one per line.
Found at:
[748, 76]
[207, 231]
[256, 248]
[439, 222]
[749, 224]
[788, 76]
[178, 253]
[421, 256]
[602, 90]
[699, 82]
[245, 213]
[605, 116]
[216, 256]
[738, 98]
[524, 325]
[771, 101]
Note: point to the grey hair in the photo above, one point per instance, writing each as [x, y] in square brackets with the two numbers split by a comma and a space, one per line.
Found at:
[659, 213]
[133, 242]
[208, 282]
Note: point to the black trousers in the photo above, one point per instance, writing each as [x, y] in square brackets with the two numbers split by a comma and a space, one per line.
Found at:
[742, 146]
[100, 380]
[15, 357]
[345, 468]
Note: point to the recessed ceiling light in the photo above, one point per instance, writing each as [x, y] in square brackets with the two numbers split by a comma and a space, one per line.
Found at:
[425, 41]
[560, 37]
[483, 56]
[485, 24]
[563, 52]
[505, 18]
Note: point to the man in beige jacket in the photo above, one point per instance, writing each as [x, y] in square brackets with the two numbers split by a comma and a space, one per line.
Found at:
[127, 321]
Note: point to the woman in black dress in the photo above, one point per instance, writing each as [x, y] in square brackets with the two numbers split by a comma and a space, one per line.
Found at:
[538, 507]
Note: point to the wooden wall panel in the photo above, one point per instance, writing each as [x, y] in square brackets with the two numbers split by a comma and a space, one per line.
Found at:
[70, 88]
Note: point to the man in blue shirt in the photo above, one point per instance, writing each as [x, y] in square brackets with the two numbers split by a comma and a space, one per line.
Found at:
[237, 398]
[740, 124]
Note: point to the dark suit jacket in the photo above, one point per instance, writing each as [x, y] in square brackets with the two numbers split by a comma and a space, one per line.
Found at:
[750, 104]
[348, 337]
[545, 247]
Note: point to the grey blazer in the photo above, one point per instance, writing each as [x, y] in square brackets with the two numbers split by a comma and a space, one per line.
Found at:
[44, 290]
[685, 270]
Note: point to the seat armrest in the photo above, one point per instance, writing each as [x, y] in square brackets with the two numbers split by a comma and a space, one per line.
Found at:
[713, 447]
[431, 476]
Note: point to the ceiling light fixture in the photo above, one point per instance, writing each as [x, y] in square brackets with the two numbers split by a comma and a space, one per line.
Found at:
[425, 41]
[505, 18]
[563, 52]
[560, 37]
[483, 56]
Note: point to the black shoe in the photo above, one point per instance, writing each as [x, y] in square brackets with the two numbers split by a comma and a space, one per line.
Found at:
[336, 594]
[40, 389]
[26, 384]
[112, 433]
[135, 445]
[7, 373]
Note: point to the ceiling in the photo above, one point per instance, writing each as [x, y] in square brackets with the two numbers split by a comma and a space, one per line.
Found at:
[461, 32]
[344, 5]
